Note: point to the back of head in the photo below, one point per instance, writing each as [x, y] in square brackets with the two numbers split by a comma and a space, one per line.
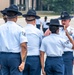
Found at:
[53, 29]
[11, 14]
[30, 18]
[45, 18]
[54, 25]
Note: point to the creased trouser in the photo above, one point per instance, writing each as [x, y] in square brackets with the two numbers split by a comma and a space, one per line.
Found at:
[54, 66]
[68, 62]
[32, 66]
[10, 63]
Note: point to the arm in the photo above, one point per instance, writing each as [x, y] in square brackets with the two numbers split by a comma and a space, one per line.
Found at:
[41, 26]
[71, 40]
[42, 61]
[23, 56]
[47, 32]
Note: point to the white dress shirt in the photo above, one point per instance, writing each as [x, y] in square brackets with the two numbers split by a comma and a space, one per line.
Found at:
[54, 45]
[63, 35]
[45, 25]
[34, 36]
[11, 36]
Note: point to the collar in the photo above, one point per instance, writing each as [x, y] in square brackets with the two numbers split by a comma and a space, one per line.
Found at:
[69, 27]
[11, 22]
[54, 34]
[30, 25]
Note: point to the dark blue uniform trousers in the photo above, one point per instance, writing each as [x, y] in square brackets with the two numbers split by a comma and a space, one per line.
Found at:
[10, 63]
[0, 65]
[68, 62]
[44, 29]
[38, 26]
[0, 69]
[32, 66]
[54, 66]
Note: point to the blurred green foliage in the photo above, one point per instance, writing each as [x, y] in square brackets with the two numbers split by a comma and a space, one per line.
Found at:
[58, 5]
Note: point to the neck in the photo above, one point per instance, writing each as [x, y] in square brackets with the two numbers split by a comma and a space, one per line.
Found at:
[12, 19]
[31, 22]
[66, 26]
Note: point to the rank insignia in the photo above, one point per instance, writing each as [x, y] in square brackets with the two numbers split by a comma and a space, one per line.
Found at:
[23, 33]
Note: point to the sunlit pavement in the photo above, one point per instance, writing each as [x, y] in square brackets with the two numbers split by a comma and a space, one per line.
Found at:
[21, 21]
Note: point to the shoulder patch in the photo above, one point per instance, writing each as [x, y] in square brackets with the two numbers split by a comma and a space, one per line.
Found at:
[23, 33]
[67, 42]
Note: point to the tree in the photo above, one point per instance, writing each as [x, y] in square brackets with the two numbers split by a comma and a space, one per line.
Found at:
[59, 5]
[48, 4]
[63, 5]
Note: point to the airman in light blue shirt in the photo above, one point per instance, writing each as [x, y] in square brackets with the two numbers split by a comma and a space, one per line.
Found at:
[13, 44]
[53, 45]
[34, 35]
[68, 53]
[11, 36]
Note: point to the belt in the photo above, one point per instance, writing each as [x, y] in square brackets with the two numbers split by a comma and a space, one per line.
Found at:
[54, 56]
[34, 56]
[68, 52]
[9, 53]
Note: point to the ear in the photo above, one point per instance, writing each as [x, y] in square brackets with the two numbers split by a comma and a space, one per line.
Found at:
[35, 21]
[25, 19]
[57, 31]
[69, 20]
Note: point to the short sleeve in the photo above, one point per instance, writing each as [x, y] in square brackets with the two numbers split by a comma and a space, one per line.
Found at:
[42, 48]
[23, 37]
[66, 43]
[73, 36]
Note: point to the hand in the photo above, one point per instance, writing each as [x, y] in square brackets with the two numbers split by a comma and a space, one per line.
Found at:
[43, 72]
[21, 66]
[66, 31]
[64, 27]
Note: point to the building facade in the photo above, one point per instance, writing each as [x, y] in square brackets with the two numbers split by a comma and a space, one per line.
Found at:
[23, 5]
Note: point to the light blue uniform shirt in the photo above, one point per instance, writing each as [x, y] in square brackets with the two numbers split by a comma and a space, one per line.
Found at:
[63, 35]
[11, 36]
[45, 25]
[34, 36]
[53, 45]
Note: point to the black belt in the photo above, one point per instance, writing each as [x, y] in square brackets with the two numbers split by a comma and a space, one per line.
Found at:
[9, 53]
[34, 56]
[54, 56]
[68, 52]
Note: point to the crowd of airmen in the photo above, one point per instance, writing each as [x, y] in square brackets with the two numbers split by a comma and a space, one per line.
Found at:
[23, 49]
